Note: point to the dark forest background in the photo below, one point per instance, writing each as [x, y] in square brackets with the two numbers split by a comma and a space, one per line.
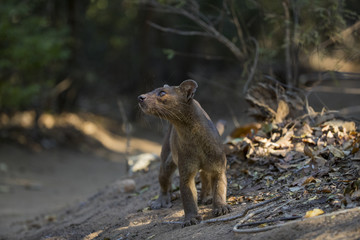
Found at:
[87, 55]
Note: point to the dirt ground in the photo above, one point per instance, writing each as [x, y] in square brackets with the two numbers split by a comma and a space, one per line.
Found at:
[67, 194]
[39, 183]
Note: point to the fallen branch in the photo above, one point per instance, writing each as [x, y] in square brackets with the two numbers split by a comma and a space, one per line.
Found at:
[235, 216]
[243, 213]
[299, 219]
[262, 229]
[256, 212]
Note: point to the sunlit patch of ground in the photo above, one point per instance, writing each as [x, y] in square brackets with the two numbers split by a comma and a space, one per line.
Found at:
[90, 127]
[321, 62]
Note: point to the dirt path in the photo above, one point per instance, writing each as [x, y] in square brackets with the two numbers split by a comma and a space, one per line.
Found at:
[109, 214]
[65, 194]
[39, 183]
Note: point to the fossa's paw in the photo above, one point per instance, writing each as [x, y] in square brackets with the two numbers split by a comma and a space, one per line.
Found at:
[192, 220]
[205, 200]
[221, 210]
[164, 201]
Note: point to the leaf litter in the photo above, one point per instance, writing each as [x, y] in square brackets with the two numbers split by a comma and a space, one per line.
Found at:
[312, 161]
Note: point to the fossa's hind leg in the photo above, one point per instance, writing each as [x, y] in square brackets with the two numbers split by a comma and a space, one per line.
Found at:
[206, 188]
[167, 169]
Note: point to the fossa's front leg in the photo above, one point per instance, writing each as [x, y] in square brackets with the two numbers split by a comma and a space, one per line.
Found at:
[189, 196]
[220, 206]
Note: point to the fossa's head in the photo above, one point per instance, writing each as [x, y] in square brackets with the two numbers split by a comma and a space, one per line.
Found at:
[169, 102]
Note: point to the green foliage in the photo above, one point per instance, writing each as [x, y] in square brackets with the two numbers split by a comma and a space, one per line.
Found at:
[170, 53]
[16, 96]
[31, 52]
[320, 21]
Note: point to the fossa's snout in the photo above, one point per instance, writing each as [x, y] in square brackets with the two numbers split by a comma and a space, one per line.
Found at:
[141, 98]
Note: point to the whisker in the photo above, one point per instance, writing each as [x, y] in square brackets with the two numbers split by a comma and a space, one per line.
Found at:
[180, 116]
[141, 115]
[172, 114]
[161, 116]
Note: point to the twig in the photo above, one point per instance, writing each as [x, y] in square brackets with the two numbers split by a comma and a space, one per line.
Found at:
[203, 56]
[262, 229]
[196, 9]
[252, 71]
[250, 215]
[327, 217]
[287, 44]
[295, 48]
[179, 32]
[287, 202]
[243, 213]
[198, 18]
[238, 28]
[127, 128]
[298, 160]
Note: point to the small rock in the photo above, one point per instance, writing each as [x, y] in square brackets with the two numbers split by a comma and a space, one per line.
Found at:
[3, 167]
[4, 189]
[126, 185]
[141, 162]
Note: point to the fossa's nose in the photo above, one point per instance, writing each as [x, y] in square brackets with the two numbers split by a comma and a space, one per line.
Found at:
[141, 98]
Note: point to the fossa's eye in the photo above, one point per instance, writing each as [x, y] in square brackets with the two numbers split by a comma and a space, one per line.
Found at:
[161, 93]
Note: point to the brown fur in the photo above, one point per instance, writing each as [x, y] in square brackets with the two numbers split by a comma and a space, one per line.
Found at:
[192, 144]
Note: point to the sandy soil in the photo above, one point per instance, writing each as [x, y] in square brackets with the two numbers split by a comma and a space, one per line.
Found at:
[66, 194]
[39, 183]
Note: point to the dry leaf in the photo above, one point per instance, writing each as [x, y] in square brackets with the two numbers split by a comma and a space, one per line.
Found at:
[312, 199]
[354, 150]
[308, 152]
[356, 156]
[309, 180]
[336, 152]
[295, 189]
[305, 130]
[280, 152]
[283, 166]
[325, 190]
[347, 145]
[282, 111]
[308, 140]
[319, 161]
[329, 134]
[336, 124]
[285, 141]
[245, 130]
[313, 213]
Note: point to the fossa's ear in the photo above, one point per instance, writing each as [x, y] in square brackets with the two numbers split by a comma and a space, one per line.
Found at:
[188, 87]
[166, 86]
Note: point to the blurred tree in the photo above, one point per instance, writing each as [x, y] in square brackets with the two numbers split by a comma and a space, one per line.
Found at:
[100, 49]
[32, 53]
[282, 30]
